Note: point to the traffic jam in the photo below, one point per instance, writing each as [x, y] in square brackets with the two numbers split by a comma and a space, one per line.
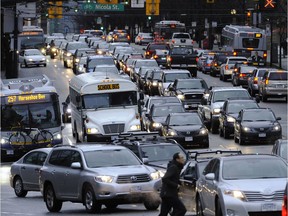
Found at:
[133, 103]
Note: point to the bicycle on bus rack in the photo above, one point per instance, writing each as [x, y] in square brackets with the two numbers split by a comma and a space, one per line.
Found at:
[22, 136]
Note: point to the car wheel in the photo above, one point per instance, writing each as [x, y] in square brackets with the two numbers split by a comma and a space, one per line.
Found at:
[236, 140]
[151, 205]
[214, 127]
[18, 187]
[111, 206]
[199, 210]
[241, 142]
[89, 201]
[218, 209]
[21, 65]
[225, 133]
[52, 203]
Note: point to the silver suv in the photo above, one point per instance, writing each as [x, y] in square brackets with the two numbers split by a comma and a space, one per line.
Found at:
[96, 175]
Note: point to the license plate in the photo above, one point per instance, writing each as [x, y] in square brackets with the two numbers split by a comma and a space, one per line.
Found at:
[262, 135]
[10, 152]
[135, 189]
[183, 65]
[269, 207]
[188, 139]
[163, 58]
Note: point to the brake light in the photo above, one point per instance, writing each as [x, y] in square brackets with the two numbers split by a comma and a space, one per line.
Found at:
[234, 53]
[226, 67]
[155, 56]
[169, 59]
[197, 59]
[242, 75]
[265, 55]
[147, 53]
[284, 206]
[255, 81]
[208, 65]
[173, 41]
[128, 37]
[215, 64]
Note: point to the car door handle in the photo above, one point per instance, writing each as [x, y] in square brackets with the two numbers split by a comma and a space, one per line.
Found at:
[53, 172]
[37, 170]
[67, 173]
[23, 167]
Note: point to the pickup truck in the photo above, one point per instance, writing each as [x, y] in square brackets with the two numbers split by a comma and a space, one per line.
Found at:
[183, 57]
[181, 38]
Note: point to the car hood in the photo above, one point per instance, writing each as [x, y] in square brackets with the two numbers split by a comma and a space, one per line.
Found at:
[258, 124]
[189, 91]
[159, 119]
[263, 186]
[218, 104]
[35, 57]
[158, 164]
[111, 116]
[71, 51]
[234, 115]
[123, 170]
[186, 128]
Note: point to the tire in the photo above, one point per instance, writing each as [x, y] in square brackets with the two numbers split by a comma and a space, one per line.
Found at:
[199, 209]
[18, 187]
[214, 127]
[25, 63]
[89, 201]
[44, 136]
[226, 135]
[65, 64]
[151, 205]
[17, 138]
[218, 210]
[52, 203]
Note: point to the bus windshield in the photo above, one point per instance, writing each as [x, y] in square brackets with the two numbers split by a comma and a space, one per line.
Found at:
[106, 100]
[40, 115]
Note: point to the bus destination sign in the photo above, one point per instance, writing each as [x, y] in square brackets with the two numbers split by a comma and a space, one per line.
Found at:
[31, 98]
[108, 87]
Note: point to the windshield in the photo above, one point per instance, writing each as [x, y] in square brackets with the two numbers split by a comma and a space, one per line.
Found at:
[181, 51]
[250, 43]
[237, 107]
[171, 77]
[181, 120]
[74, 46]
[32, 52]
[160, 152]
[116, 157]
[163, 100]
[40, 115]
[254, 168]
[278, 76]
[247, 69]
[191, 84]
[32, 42]
[182, 36]
[224, 95]
[259, 115]
[165, 110]
[107, 100]
[100, 61]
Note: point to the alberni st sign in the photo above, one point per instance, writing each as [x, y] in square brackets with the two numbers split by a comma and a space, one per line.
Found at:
[102, 7]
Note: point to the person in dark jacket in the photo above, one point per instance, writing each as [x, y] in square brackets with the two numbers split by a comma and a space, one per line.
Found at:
[170, 186]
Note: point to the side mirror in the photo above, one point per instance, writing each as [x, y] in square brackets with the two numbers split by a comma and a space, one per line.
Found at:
[141, 96]
[278, 118]
[171, 88]
[84, 65]
[145, 160]
[62, 127]
[78, 98]
[210, 176]
[76, 165]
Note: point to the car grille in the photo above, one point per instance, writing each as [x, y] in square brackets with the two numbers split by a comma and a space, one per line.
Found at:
[258, 197]
[113, 128]
[133, 179]
[275, 213]
[193, 96]
[188, 133]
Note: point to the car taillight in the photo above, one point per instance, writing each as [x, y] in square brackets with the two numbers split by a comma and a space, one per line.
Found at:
[215, 64]
[242, 75]
[226, 67]
[284, 206]
[169, 59]
[266, 81]
[155, 56]
[128, 37]
[197, 59]
[255, 80]
[234, 53]
[173, 41]
[147, 53]
[208, 65]
[265, 55]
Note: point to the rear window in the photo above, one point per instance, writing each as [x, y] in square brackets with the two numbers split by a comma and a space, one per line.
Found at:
[158, 46]
[261, 73]
[278, 76]
[250, 43]
[181, 36]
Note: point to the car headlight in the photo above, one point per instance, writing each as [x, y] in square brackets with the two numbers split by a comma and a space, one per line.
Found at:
[43, 50]
[30, 59]
[4, 141]
[53, 49]
[57, 136]
[135, 127]
[230, 119]
[105, 179]
[156, 125]
[99, 52]
[43, 59]
[77, 60]
[155, 83]
[216, 111]
[172, 133]
[206, 95]
[69, 110]
[92, 130]
[68, 54]
[236, 194]
[246, 129]
[128, 69]
[203, 131]
[276, 127]
[155, 175]
[181, 97]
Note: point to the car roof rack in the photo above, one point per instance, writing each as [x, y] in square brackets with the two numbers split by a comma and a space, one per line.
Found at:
[195, 154]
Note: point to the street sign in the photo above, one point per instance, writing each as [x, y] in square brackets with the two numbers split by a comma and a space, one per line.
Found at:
[152, 9]
[137, 3]
[101, 7]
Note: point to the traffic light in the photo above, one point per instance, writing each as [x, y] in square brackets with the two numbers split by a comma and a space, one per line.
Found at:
[248, 17]
[267, 5]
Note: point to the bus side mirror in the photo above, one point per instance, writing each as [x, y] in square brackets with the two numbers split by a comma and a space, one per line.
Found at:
[141, 96]
[78, 98]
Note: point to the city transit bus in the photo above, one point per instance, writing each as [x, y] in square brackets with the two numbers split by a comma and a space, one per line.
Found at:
[164, 30]
[245, 41]
[30, 115]
[102, 106]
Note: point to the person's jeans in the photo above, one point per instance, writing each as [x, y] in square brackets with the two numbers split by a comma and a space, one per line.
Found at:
[172, 202]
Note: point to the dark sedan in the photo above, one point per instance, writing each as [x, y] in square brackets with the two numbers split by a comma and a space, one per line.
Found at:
[241, 74]
[257, 126]
[187, 129]
[229, 113]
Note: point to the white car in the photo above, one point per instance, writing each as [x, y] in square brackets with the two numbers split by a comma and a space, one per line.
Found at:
[242, 185]
[227, 67]
[30, 57]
